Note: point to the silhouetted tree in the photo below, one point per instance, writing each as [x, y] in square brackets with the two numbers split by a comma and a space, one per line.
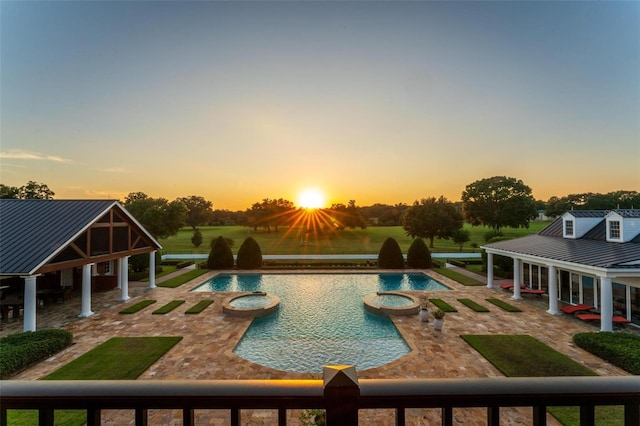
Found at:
[460, 236]
[160, 217]
[199, 210]
[220, 256]
[390, 255]
[249, 255]
[418, 255]
[196, 240]
[432, 218]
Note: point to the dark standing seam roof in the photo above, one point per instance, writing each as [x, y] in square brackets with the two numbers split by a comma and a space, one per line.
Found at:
[592, 249]
[31, 230]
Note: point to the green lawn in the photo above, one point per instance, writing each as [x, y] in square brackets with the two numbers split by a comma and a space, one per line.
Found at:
[355, 241]
[183, 278]
[168, 307]
[137, 307]
[104, 362]
[456, 276]
[525, 356]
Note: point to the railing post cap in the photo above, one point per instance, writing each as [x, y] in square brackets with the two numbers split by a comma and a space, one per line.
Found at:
[340, 376]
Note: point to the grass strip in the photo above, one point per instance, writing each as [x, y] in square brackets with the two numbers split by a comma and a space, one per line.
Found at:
[460, 278]
[444, 306]
[119, 358]
[168, 307]
[199, 307]
[504, 305]
[473, 305]
[525, 356]
[177, 281]
[137, 307]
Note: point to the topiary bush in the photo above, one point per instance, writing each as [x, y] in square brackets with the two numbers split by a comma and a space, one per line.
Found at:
[390, 256]
[220, 256]
[21, 350]
[418, 255]
[196, 240]
[249, 255]
[620, 349]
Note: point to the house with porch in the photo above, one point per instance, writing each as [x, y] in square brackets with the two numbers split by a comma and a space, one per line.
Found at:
[583, 257]
[49, 248]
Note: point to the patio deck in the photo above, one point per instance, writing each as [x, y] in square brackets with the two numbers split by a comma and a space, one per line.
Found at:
[206, 352]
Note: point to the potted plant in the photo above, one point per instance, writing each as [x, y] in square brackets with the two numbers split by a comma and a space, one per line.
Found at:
[438, 316]
[424, 310]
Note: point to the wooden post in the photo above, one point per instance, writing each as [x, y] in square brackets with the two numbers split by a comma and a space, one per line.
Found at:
[341, 393]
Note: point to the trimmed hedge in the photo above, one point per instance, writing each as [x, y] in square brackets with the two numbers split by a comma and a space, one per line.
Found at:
[184, 264]
[249, 255]
[390, 255]
[620, 349]
[21, 350]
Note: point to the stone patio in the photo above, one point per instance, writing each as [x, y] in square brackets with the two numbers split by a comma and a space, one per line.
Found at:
[206, 351]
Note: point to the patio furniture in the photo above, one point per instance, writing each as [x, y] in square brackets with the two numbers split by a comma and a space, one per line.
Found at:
[617, 319]
[531, 291]
[572, 309]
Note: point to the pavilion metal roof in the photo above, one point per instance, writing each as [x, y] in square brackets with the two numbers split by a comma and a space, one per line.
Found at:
[592, 249]
[32, 231]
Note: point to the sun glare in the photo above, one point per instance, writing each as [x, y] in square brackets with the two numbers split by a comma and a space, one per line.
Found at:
[311, 198]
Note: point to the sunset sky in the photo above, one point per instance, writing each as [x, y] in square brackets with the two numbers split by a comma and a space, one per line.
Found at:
[373, 101]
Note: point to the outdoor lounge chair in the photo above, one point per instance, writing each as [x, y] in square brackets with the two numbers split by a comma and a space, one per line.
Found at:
[596, 317]
[572, 309]
[531, 291]
[509, 286]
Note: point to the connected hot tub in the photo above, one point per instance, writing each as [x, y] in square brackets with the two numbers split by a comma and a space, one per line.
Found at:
[251, 304]
[388, 303]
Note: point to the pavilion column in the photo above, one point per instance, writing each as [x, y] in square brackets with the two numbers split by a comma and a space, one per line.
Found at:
[553, 291]
[489, 270]
[123, 277]
[606, 304]
[152, 269]
[30, 303]
[86, 291]
[516, 279]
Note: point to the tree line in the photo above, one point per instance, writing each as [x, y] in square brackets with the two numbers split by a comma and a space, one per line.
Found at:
[496, 202]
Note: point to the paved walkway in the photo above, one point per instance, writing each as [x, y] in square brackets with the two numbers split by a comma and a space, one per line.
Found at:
[206, 351]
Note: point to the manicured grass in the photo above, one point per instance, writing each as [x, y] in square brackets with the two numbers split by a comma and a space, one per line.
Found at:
[525, 356]
[456, 276]
[358, 241]
[473, 305]
[119, 358]
[137, 307]
[504, 305]
[444, 306]
[183, 278]
[199, 307]
[168, 307]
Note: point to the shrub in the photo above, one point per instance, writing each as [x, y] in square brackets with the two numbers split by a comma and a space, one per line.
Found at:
[249, 255]
[457, 263]
[19, 351]
[390, 256]
[502, 265]
[184, 264]
[418, 255]
[620, 349]
[196, 240]
[220, 256]
[139, 262]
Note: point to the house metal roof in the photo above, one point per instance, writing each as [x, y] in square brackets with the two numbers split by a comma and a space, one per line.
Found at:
[592, 249]
[32, 231]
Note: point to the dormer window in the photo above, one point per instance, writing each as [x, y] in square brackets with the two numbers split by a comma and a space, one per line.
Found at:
[614, 230]
[568, 228]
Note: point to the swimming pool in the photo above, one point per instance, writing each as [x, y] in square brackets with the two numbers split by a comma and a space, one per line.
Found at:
[321, 320]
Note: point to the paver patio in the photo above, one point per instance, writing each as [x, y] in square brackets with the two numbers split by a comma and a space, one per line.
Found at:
[206, 351]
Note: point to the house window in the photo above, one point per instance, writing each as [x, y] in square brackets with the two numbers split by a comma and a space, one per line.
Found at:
[568, 228]
[614, 230]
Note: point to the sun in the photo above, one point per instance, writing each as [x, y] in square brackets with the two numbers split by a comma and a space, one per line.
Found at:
[311, 198]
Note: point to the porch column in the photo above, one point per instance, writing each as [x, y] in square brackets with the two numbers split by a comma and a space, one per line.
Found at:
[86, 291]
[516, 279]
[489, 270]
[119, 271]
[123, 277]
[553, 291]
[152, 269]
[606, 304]
[29, 314]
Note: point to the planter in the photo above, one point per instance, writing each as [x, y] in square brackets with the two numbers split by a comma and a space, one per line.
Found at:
[424, 315]
[437, 324]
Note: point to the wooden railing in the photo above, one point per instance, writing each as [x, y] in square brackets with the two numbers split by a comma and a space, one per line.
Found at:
[341, 394]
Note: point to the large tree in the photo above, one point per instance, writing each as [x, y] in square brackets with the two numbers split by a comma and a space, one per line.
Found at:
[348, 216]
[432, 218]
[498, 201]
[160, 217]
[31, 191]
[199, 210]
[268, 213]
[592, 201]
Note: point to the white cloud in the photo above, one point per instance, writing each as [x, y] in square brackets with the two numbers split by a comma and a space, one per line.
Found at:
[17, 154]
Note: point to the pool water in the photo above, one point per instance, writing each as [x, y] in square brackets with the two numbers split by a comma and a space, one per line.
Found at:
[321, 320]
[392, 300]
